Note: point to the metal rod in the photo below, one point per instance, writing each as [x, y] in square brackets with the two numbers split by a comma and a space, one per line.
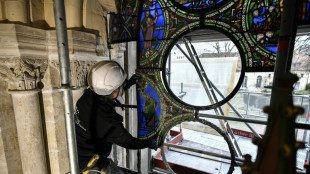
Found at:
[204, 74]
[269, 94]
[298, 118]
[201, 73]
[297, 125]
[308, 111]
[199, 156]
[211, 94]
[307, 122]
[202, 152]
[194, 59]
[179, 47]
[257, 116]
[233, 139]
[232, 118]
[169, 70]
[235, 110]
[248, 103]
[159, 170]
[198, 72]
[63, 55]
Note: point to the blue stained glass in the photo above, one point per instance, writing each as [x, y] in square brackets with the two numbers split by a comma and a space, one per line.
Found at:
[158, 110]
[156, 33]
[149, 89]
[140, 46]
[272, 49]
[155, 47]
[154, 95]
[307, 12]
[151, 30]
[260, 17]
[160, 21]
[146, 125]
[143, 132]
[141, 102]
[161, 33]
[201, 4]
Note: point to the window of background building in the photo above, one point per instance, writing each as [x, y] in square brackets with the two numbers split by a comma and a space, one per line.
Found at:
[245, 80]
[297, 86]
[259, 81]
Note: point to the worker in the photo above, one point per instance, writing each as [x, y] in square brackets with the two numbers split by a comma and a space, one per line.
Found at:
[97, 124]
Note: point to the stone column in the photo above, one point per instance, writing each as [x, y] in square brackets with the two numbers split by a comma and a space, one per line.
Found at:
[29, 130]
[23, 62]
[3, 163]
[23, 76]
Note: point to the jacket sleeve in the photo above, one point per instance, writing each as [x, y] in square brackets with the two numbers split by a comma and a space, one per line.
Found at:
[120, 136]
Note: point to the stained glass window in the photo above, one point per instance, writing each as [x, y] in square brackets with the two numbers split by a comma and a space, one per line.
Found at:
[304, 12]
[152, 28]
[123, 23]
[254, 25]
[157, 25]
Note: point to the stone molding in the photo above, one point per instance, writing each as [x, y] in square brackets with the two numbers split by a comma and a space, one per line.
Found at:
[23, 59]
[27, 52]
[82, 45]
[79, 70]
[22, 73]
[22, 41]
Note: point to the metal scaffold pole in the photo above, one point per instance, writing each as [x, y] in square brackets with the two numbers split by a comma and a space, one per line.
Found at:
[63, 54]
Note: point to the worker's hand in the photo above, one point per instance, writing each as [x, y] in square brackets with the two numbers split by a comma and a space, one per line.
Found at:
[133, 79]
[153, 144]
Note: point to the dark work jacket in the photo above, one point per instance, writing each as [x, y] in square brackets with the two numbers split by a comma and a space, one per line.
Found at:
[98, 126]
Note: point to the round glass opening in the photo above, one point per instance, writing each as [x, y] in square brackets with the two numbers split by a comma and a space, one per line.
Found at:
[203, 69]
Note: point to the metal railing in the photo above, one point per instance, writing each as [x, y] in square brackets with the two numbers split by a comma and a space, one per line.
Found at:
[256, 112]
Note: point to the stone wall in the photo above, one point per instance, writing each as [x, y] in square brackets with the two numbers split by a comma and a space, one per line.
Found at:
[32, 125]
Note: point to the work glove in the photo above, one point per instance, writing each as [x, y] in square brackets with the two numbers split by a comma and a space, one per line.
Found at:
[133, 79]
[153, 144]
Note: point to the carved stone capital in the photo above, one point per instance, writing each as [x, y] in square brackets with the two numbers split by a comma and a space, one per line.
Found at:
[79, 70]
[22, 73]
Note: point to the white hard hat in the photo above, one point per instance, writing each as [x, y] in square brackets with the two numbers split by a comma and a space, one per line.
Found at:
[105, 77]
